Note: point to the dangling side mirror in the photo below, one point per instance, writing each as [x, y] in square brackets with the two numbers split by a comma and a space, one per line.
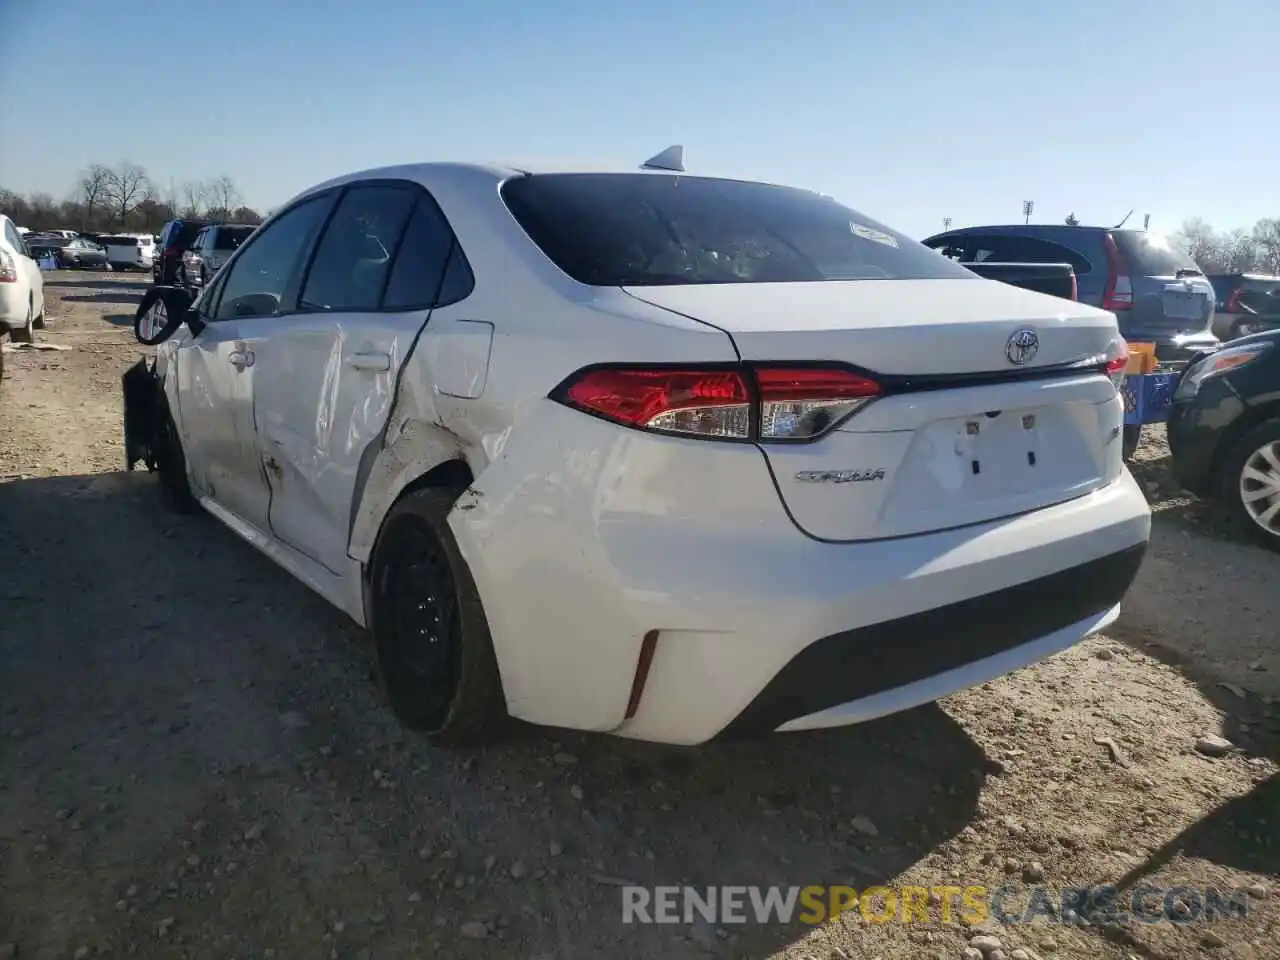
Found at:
[162, 311]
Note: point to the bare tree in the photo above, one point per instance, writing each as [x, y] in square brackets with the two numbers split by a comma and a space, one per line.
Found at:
[1239, 251]
[92, 189]
[247, 215]
[194, 193]
[224, 197]
[1266, 235]
[127, 186]
[1072, 220]
[1199, 241]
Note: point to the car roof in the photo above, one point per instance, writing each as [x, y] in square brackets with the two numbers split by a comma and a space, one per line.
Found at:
[460, 173]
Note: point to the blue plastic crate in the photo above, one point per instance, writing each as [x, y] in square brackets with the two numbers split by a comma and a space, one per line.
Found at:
[1148, 397]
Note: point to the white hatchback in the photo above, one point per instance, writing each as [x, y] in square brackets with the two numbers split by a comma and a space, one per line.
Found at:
[672, 457]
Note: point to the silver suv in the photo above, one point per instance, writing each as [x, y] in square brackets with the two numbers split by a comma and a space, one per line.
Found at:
[211, 248]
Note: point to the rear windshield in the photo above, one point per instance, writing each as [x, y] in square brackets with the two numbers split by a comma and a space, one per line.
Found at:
[636, 229]
[120, 241]
[1151, 254]
[229, 238]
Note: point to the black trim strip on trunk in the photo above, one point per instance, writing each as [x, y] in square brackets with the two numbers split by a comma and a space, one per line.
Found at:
[853, 664]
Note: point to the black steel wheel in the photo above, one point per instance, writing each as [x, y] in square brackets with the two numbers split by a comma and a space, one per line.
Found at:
[434, 651]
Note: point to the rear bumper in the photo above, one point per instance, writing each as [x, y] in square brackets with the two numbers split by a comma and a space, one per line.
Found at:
[1173, 348]
[870, 671]
[653, 536]
[13, 306]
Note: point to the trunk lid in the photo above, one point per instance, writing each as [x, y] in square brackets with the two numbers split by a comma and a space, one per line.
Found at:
[963, 434]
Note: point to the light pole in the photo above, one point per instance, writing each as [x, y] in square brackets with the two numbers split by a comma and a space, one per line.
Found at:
[946, 223]
[1027, 207]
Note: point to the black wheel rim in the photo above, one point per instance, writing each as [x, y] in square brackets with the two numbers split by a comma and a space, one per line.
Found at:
[421, 622]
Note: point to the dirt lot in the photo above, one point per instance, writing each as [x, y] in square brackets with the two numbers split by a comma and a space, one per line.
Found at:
[195, 762]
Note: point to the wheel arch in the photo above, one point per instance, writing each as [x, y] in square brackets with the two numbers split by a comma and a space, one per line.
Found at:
[421, 455]
[1247, 421]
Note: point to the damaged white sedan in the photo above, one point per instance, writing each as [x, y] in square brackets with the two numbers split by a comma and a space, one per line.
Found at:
[668, 456]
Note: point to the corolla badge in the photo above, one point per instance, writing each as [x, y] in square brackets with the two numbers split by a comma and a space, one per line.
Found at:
[1022, 346]
[839, 476]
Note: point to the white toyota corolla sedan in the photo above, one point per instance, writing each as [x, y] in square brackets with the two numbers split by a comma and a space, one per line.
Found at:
[666, 456]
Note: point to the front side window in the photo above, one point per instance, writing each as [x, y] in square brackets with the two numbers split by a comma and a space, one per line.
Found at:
[636, 229]
[354, 256]
[256, 283]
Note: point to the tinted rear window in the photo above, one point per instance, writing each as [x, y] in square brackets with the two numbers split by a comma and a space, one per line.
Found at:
[1151, 254]
[229, 238]
[649, 230]
[120, 241]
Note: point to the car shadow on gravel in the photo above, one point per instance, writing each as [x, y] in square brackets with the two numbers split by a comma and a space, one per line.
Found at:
[230, 717]
[101, 280]
[103, 298]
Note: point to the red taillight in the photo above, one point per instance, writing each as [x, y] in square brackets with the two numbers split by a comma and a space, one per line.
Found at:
[732, 403]
[1118, 294]
[1075, 289]
[8, 268]
[1233, 301]
[1117, 367]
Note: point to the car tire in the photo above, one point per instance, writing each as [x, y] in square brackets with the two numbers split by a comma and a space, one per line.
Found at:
[37, 322]
[444, 684]
[23, 333]
[1131, 439]
[1247, 453]
[170, 461]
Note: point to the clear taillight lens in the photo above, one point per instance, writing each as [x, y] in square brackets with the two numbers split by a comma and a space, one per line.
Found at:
[800, 403]
[768, 403]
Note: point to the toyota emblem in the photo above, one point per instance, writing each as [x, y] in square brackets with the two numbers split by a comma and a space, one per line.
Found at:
[1022, 346]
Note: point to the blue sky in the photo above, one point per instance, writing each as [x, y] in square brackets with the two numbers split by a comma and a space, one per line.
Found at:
[909, 112]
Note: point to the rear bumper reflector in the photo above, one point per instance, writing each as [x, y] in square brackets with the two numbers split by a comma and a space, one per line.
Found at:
[648, 647]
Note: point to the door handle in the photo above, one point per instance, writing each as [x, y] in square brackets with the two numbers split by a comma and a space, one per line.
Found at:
[371, 361]
[240, 358]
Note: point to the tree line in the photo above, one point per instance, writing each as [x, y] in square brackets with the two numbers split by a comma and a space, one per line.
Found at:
[1234, 251]
[125, 197]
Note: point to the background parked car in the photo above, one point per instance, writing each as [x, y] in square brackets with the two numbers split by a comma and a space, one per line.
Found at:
[1246, 303]
[1224, 432]
[128, 251]
[69, 254]
[1157, 293]
[21, 285]
[211, 248]
[175, 239]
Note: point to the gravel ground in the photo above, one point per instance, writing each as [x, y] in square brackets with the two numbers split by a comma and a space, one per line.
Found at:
[195, 761]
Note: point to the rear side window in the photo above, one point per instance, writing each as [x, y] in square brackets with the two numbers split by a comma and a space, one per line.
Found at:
[1151, 254]
[230, 238]
[430, 269]
[1010, 248]
[639, 229]
[353, 260]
